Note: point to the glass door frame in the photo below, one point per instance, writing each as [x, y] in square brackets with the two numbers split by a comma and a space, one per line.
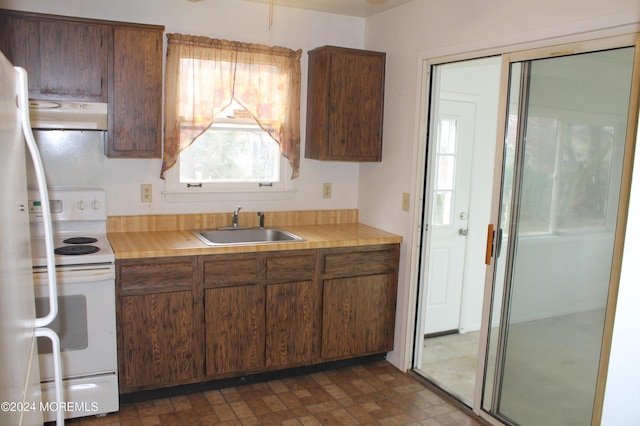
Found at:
[627, 168]
[535, 50]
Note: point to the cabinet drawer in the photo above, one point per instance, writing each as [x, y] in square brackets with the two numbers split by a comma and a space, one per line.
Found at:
[364, 262]
[156, 277]
[293, 267]
[226, 271]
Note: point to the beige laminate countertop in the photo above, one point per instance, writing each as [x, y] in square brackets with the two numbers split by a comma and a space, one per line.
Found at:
[135, 245]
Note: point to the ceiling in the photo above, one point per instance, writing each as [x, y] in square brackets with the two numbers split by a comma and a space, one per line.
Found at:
[361, 8]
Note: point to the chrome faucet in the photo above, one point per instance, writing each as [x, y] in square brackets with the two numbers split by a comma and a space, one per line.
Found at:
[235, 216]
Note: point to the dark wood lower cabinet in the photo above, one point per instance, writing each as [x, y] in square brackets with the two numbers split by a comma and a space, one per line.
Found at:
[358, 316]
[291, 324]
[159, 318]
[234, 329]
[251, 328]
[359, 300]
[196, 318]
[261, 312]
[158, 343]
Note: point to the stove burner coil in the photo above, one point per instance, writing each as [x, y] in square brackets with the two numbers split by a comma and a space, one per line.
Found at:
[80, 240]
[76, 250]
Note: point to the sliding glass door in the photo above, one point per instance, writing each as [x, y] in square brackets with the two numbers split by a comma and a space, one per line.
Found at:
[561, 180]
[539, 144]
[464, 112]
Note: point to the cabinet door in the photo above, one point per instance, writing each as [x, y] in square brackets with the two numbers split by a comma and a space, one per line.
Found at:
[355, 107]
[137, 93]
[290, 321]
[261, 311]
[157, 340]
[74, 60]
[358, 316]
[234, 329]
[159, 322]
[345, 104]
[20, 43]
[65, 60]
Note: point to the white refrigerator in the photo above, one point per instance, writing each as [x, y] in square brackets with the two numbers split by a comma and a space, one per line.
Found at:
[19, 328]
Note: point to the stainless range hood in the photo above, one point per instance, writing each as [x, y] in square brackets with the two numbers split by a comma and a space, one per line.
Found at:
[64, 115]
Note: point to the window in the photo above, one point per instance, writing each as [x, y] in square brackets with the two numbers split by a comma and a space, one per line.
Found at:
[234, 154]
[231, 115]
[447, 140]
[566, 175]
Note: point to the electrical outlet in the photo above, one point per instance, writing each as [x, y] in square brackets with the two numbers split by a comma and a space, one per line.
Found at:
[406, 200]
[326, 190]
[145, 193]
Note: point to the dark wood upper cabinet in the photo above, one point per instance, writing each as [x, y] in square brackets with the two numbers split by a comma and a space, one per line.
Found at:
[79, 70]
[22, 50]
[89, 60]
[345, 99]
[136, 107]
[65, 60]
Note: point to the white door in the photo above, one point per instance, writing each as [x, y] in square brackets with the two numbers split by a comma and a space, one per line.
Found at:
[449, 214]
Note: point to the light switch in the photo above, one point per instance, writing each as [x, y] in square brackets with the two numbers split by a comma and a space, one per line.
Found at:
[406, 200]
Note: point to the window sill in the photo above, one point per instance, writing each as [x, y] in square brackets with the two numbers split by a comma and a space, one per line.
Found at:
[591, 234]
[202, 196]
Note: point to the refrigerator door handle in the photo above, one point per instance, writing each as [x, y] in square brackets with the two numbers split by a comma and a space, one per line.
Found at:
[57, 370]
[23, 105]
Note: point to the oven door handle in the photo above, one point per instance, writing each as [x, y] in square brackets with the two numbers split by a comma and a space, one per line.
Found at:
[57, 369]
[23, 102]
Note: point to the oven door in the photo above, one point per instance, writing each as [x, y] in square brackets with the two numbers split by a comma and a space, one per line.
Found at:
[86, 321]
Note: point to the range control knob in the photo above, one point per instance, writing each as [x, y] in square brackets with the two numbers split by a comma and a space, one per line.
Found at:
[82, 205]
[96, 205]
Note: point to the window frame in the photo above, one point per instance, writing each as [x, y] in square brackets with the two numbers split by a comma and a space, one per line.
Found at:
[553, 228]
[172, 177]
[239, 81]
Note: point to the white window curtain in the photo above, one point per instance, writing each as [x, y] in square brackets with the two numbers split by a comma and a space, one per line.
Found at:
[204, 75]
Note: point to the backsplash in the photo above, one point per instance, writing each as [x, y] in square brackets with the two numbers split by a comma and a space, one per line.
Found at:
[146, 223]
[72, 158]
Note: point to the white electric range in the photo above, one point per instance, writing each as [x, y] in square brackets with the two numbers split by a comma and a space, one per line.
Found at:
[86, 323]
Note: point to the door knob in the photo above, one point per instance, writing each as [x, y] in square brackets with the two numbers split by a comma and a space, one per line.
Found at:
[463, 231]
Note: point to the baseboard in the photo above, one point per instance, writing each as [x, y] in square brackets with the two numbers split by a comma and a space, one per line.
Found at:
[441, 333]
[245, 380]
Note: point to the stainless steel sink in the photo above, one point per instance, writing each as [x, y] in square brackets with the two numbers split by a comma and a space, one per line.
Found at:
[235, 236]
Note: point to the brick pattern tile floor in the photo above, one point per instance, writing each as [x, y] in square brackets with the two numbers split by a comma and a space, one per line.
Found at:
[371, 394]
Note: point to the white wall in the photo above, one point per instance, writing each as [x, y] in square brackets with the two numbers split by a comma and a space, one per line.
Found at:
[226, 19]
[430, 29]
[566, 284]
[622, 397]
